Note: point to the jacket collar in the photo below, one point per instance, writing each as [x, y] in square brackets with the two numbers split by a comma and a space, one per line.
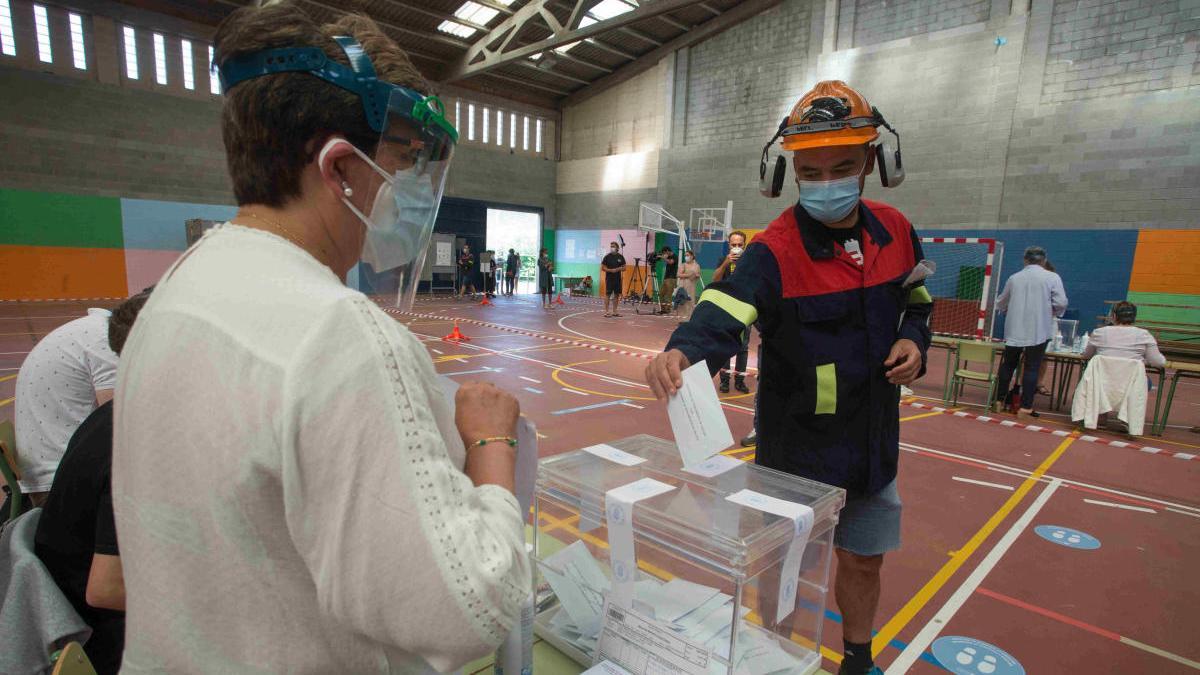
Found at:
[819, 245]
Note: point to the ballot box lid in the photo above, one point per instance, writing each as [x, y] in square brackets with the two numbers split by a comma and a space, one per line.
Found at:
[695, 519]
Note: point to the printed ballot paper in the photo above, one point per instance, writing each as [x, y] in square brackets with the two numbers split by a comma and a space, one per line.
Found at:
[697, 420]
[645, 647]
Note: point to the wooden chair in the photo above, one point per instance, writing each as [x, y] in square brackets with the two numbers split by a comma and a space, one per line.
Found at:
[8, 467]
[973, 352]
[71, 660]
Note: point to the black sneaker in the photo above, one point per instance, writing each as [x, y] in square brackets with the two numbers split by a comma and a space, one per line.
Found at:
[750, 440]
[724, 386]
[740, 385]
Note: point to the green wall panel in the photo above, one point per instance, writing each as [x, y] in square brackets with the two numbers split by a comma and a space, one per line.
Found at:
[51, 219]
[1168, 314]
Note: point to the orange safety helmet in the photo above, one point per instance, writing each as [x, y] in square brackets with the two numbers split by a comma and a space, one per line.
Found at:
[831, 114]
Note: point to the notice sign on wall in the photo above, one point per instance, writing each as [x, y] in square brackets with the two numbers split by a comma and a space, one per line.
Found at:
[445, 253]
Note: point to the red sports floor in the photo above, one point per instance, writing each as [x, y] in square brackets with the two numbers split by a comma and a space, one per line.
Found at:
[974, 491]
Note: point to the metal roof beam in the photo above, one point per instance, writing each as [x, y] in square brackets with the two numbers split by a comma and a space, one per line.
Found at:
[481, 57]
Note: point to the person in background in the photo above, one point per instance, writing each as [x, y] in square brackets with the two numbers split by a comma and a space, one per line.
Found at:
[512, 268]
[1041, 388]
[1031, 300]
[76, 537]
[466, 271]
[689, 276]
[737, 244]
[545, 278]
[293, 491]
[486, 261]
[666, 294]
[63, 379]
[1124, 340]
[613, 265]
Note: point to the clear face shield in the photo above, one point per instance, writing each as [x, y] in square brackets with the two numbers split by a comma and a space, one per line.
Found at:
[411, 161]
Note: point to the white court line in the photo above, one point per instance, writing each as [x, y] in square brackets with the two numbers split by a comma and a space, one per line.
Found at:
[12, 353]
[1183, 512]
[931, 630]
[1128, 507]
[23, 318]
[576, 392]
[1023, 473]
[599, 340]
[529, 379]
[983, 483]
[436, 351]
[627, 404]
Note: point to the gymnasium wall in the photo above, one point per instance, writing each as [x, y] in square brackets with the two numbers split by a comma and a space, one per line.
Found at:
[1055, 122]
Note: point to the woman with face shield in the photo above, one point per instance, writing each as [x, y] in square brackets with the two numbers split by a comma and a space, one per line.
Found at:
[293, 492]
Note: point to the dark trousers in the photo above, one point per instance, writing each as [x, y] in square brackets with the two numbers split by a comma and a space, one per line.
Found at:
[1011, 361]
[739, 361]
[509, 284]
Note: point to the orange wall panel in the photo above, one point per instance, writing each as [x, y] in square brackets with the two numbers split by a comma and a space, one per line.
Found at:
[54, 272]
[1166, 261]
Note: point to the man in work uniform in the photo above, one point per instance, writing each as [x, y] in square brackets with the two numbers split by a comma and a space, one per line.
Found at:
[827, 286]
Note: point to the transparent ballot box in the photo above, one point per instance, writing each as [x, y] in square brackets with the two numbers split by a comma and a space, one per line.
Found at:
[723, 568]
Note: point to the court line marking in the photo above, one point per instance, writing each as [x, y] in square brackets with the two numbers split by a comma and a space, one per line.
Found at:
[6, 378]
[597, 339]
[436, 351]
[1194, 515]
[917, 417]
[576, 391]
[529, 379]
[934, 627]
[1082, 625]
[536, 391]
[1024, 473]
[13, 353]
[7, 401]
[957, 558]
[983, 483]
[605, 404]
[1097, 502]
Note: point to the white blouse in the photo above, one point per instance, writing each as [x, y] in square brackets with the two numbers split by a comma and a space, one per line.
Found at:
[287, 481]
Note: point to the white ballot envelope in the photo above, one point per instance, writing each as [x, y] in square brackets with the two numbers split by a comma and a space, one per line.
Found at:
[697, 419]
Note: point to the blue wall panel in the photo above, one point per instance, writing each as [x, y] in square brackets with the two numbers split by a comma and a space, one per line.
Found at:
[155, 225]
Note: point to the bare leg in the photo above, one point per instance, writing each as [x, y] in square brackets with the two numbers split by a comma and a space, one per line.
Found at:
[857, 593]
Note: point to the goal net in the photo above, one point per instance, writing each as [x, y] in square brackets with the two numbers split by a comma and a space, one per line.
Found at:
[964, 287]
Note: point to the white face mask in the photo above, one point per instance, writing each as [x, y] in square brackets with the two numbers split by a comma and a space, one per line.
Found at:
[403, 205]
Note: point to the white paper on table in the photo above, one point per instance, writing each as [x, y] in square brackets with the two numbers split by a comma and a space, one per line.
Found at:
[714, 466]
[614, 455]
[697, 419]
[802, 517]
[580, 585]
[606, 668]
[618, 509]
[645, 647]
[688, 622]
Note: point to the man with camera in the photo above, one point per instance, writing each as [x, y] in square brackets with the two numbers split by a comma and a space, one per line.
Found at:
[737, 244]
[666, 293]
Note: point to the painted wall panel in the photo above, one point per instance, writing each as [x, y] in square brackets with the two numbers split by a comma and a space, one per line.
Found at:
[156, 225]
[60, 272]
[52, 219]
[1167, 261]
[144, 267]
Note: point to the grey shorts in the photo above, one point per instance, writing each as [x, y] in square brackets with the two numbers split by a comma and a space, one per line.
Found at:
[870, 525]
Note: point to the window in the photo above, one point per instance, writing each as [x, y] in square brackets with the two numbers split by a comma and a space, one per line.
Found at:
[470, 121]
[486, 124]
[538, 147]
[525, 134]
[77, 50]
[214, 82]
[189, 74]
[8, 44]
[499, 127]
[160, 59]
[42, 24]
[131, 64]
[512, 130]
[458, 114]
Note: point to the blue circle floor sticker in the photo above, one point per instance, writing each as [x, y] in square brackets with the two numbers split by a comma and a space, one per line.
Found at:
[968, 656]
[1065, 536]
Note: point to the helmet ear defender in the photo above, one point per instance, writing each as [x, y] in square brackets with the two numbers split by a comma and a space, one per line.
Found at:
[887, 158]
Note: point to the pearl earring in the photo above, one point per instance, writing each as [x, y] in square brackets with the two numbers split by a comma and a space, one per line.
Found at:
[346, 189]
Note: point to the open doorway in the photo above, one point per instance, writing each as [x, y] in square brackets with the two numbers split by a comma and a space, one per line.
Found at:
[520, 231]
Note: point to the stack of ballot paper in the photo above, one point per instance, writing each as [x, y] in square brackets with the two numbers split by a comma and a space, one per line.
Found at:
[700, 614]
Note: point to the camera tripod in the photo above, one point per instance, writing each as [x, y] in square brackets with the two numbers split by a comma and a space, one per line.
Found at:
[643, 287]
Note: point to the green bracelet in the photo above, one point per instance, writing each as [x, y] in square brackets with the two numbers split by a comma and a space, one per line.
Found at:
[512, 442]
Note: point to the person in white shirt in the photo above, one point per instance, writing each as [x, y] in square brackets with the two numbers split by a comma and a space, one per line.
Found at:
[1031, 299]
[1124, 340]
[62, 380]
[292, 491]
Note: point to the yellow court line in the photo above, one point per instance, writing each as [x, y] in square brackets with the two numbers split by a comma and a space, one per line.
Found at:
[459, 357]
[928, 414]
[554, 375]
[915, 604]
[6, 378]
[7, 401]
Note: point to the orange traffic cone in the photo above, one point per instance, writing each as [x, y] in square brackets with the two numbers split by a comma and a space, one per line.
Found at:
[559, 300]
[456, 335]
[486, 301]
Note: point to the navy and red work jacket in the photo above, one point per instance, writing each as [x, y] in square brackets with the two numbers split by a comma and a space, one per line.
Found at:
[825, 408]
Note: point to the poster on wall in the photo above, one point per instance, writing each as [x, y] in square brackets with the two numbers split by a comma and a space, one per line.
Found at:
[444, 254]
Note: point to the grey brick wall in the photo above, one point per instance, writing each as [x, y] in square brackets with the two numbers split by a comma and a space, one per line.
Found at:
[745, 79]
[1103, 48]
[878, 21]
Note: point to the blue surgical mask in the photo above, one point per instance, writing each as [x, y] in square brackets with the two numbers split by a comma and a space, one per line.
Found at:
[829, 201]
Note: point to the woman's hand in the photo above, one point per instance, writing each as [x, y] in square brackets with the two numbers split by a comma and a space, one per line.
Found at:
[483, 410]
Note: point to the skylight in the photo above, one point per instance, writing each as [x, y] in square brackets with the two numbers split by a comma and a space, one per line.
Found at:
[472, 12]
[77, 49]
[603, 11]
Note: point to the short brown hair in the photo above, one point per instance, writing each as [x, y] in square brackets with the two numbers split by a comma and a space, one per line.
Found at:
[272, 124]
[122, 319]
[737, 233]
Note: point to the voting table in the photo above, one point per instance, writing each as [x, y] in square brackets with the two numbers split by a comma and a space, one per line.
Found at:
[722, 567]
